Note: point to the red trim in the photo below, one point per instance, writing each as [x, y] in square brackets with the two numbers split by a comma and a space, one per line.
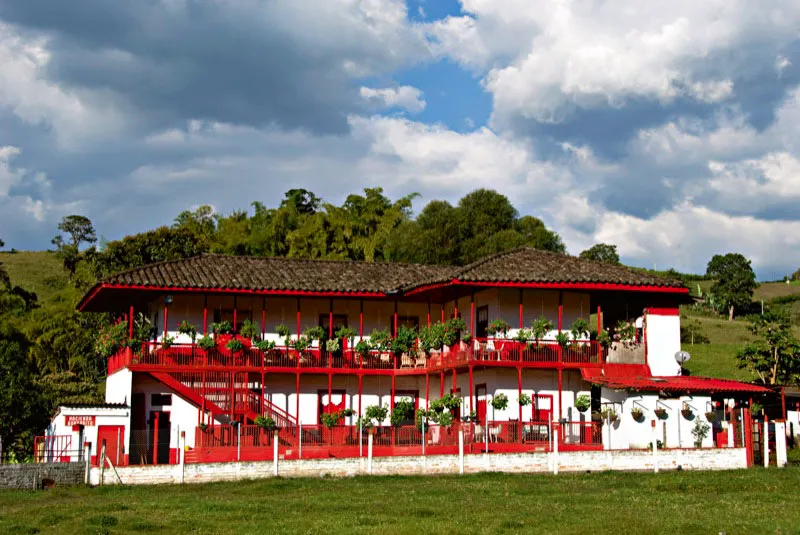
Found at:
[557, 285]
[110, 286]
[663, 311]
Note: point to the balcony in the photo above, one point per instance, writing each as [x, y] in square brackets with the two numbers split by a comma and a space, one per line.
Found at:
[480, 352]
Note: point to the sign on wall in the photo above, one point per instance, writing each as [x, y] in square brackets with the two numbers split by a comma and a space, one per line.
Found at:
[80, 420]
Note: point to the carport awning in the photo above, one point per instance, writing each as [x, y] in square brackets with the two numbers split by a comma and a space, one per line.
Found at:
[637, 377]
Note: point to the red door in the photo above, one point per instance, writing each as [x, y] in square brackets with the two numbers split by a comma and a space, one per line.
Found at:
[480, 395]
[114, 437]
[542, 407]
[325, 406]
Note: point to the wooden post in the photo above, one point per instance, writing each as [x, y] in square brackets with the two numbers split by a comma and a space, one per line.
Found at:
[441, 384]
[521, 317]
[165, 318]
[155, 437]
[472, 314]
[560, 392]
[395, 318]
[130, 323]
[427, 390]
[560, 326]
[429, 311]
[297, 402]
[263, 316]
[330, 320]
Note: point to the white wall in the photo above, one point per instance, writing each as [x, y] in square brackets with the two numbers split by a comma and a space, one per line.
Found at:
[677, 430]
[118, 387]
[663, 341]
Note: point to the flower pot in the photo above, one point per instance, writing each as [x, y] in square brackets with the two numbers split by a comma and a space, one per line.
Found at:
[637, 414]
[711, 416]
[661, 414]
[687, 413]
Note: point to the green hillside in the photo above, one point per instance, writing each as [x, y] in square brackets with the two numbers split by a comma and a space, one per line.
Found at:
[36, 271]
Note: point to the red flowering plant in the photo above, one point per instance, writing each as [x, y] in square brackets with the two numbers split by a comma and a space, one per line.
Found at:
[112, 337]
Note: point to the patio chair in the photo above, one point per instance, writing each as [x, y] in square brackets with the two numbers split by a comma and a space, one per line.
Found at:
[422, 360]
[406, 361]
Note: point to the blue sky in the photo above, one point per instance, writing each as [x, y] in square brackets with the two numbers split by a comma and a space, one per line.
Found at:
[669, 130]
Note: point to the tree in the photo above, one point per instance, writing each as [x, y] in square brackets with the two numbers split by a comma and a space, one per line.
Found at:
[23, 414]
[736, 281]
[79, 230]
[775, 357]
[601, 252]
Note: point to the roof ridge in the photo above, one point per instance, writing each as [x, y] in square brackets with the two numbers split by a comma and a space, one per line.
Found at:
[312, 260]
[154, 264]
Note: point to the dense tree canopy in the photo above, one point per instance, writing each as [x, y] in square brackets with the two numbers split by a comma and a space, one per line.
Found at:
[735, 281]
[601, 252]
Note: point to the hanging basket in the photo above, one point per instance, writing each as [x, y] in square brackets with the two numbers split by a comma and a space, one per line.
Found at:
[661, 414]
[637, 414]
[711, 416]
[687, 413]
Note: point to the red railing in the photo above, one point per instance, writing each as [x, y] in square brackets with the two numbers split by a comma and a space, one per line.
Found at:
[479, 351]
[223, 442]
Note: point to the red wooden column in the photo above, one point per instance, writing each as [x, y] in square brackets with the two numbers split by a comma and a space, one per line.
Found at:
[360, 391]
[205, 314]
[263, 316]
[297, 399]
[330, 319]
[560, 354]
[472, 392]
[521, 318]
[427, 390]
[263, 394]
[166, 307]
[441, 384]
[472, 314]
[298, 318]
[599, 330]
[442, 312]
[155, 437]
[130, 322]
[429, 311]
[235, 316]
[391, 402]
[394, 319]
[519, 395]
[455, 381]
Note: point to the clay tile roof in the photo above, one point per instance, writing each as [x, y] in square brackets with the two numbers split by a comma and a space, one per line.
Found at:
[638, 378]
[528, 265]
[210, 271]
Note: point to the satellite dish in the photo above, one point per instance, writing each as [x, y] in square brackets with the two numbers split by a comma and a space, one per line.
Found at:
[682, 356]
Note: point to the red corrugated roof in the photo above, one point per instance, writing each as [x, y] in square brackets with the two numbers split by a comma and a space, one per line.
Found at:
[638, 377]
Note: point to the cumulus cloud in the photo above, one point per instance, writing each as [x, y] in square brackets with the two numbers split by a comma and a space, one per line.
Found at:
[545, 59]
[403, 97]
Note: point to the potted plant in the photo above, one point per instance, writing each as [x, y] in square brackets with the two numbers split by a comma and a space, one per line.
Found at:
[206, 343]
[562, 339]
[363, 348]
[249, 330]
[188, 329]
[604, 339]
[431, 338]
[637, 413]
[265, 345]
[500, 402]
[203, 427]
[112, 338]
[579, 329]
[661, 413]
[331, 419]
[625, 333]
[332, 345]
[283, 332]
[609, 414]
[524, 400]
[583, 403]
[266, 423]
[523, 336]
[404, 341]
[234, 345]
[700, 432]
[403, 411]
[380, 340]
[711, 416]
[540, 328]
[453, 330]
[167, 342]
[377, 413]
[498, 328]
[687, 412]
[223, 332]
[347, 333]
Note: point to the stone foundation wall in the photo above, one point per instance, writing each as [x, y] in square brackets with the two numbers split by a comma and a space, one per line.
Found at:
[32, 476]
[631, 460]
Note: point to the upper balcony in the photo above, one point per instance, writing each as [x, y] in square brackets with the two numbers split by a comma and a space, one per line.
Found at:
[480, 352]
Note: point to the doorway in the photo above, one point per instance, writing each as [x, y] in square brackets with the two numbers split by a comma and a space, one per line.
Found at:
[482, 321]
[114, 438]
[336, 402]
[480, 396]
[160, 428]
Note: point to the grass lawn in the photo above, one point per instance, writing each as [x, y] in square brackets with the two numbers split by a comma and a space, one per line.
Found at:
[35, 271]
[770, 290]
[744, 501]
[715, 360]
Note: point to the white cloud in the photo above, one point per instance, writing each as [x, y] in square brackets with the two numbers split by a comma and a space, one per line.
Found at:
[405, 97]
[545, 58]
